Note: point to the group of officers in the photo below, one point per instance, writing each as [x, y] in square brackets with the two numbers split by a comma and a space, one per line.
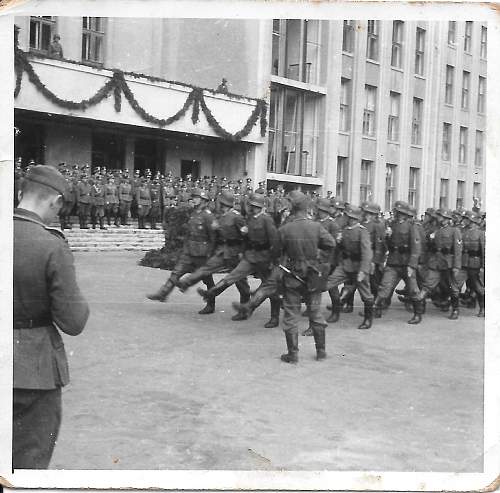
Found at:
[318, 244]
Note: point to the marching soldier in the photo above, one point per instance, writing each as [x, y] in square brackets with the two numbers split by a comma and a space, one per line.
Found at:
[354, 264]
[83, 201]
[301, 238]
[198, 247]
[125, 196]
[405, 247]
[111, 205]
[143, 201]
[445, 261]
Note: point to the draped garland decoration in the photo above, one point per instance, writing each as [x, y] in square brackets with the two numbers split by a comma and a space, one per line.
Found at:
[117, 85]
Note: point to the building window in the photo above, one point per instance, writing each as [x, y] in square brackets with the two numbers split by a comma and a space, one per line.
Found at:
[92, 39]
[481, 95]
[460, 194]
[443, 194]
[413, 187]
[476, 194]
[450, 76]
[397, 44]
[484, 42]
[416, 127]
[446, 141]
[468, 37]
[276, 44]
[393, 118]
[42, 29]
[452, 32]
[348, 36]
[462, 149]
[342, 168]
[366, 181]
[345, 98]
[419, 51]
[390, 185]
[369, 110]
[465, 90]
[293, 134]
[372, 40]
[478, 156]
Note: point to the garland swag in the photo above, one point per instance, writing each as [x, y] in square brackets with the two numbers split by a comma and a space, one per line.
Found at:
[118, 85]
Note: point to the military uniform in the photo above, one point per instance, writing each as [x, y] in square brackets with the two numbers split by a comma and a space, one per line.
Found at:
[69, 204]
[83, 200]
[111, 205]
[125, 200]
[155, 211]
[47, 300]
[98, 195]
[143, 201]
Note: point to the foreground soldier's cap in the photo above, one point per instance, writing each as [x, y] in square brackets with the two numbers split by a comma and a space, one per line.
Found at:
[257, 200]
[401, 206]
[339, 204]
[324, 205]
[370, 207]
[475, 218]
[298, 200]
[49, 177]
[469, 215]
[227, 198]
[412, 211]
[354, 212]
[446, 213]
[430, 211]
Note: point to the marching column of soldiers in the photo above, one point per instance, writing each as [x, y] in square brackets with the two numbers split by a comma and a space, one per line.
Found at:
[298, 244]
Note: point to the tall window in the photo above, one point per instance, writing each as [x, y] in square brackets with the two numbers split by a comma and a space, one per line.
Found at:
[393, 118]
[397, 44]
[366, 181]
[443, 194]
[41, 30]
[446, 152]
[465, 90]
[92, 39]
[413, 187]
[342, 168]
[468, 37]
[419, 51]
[452, 32]
[296, 49]
[348, 36]
[478, 156]
[462, 148]
[460, 194]
[450, 76]
[390, 185]
[293, 132]
[345, 98]
[372, 40]
[481, 95]
[416, 128]
[369, 111]
[484, 41]
[476, 192]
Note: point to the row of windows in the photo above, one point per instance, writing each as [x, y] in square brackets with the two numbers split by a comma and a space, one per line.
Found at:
[465, 93]
[43, 28]
[462, 145]
[397, 45]
[366, 184]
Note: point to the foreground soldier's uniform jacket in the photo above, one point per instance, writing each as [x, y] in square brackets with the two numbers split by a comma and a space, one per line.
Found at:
[332, 228]
[473, 242]
[404, 245]
[200, 240]
[355, 249]
[445, 249]
[125, 192]
[376, 230]
[46, 296]
[262, 239]
[230, 238]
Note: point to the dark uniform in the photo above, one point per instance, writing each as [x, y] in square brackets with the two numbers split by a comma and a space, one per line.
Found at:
[143, 202]
[84, 201]
[98, 195]
[46, 300]
[69, 204]
[125, 195]
[155, 211]
[112, 201]
[300, 239]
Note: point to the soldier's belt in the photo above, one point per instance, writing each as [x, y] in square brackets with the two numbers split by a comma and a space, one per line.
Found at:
[259, 246]
[444, 251]
[473, 253]
[353, 256]
[399, 249]
[32, 323]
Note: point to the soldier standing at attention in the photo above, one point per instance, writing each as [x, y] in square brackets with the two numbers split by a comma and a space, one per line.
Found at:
[143, 201]
[354, 264]
[198, 247]
[125, 199]
[98, 198]
[69, 203]
[301, 238]
[112, 201]
[155, 212]
[47, 300]
[83, 200]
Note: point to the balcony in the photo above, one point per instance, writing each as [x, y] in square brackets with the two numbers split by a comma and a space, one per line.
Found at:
[71, 81]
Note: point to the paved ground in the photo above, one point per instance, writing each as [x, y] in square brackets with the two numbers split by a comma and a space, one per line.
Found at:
[157, 386]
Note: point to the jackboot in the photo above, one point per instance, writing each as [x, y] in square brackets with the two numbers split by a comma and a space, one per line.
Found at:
[274, 321]
[209, 307]
[101, 223]
[367, 322]
[418, 310]
[163, 293]
[319, 341]
[377, 307]
[244, 310]
[94, 223]
[334, 317]
[292, 344]
[454, 307]
[214, 291]
[480, 300]
[117, 221]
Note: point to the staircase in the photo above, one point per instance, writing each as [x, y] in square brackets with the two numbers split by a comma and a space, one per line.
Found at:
[113, 238]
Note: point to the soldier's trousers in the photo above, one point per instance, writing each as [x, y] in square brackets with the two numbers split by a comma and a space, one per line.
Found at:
[340, 276]
[83, 212]
[124, 211]
[187, 264]
[434, 277]
[154, 214]
[111, 212]
[217, 263]
[97, 211]
[294, 293]
[35, 426]
[245, 269]
[390, 279]
[142, 212]
[473, 278]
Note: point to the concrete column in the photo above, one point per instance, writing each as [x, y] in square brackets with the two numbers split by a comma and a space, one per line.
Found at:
[129, 153]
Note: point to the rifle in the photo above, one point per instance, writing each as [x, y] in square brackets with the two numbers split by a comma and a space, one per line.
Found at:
[290, 273]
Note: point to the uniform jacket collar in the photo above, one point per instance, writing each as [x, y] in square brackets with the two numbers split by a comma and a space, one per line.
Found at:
[28, 216]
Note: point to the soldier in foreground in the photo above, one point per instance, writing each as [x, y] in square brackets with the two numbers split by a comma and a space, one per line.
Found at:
[46, 300]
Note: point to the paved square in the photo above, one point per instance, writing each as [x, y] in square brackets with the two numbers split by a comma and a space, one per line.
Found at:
[157, 386]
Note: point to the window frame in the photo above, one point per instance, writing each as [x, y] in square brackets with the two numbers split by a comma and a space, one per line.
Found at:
[444, 186]
[463, 145]
[452, 40]
[465, 99]
[366, 189]
[460, 194]
[342, 177]
[479, 149]
[390, 185]
[393, 120]
[372, 40]
[348, 35]
[481, 95]
[483, 51]
[468, 37]
[369, 127]
[449, 84]
[397, 43]
[413, 176]
[446, 142]
[416, 121]
[94, 34]
[46, 20]
[420, 35]
[344, 106]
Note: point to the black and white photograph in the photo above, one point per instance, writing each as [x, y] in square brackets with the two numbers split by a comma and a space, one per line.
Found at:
[246, 246]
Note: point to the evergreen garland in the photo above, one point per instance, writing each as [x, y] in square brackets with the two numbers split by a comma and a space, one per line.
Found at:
[117, 84]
